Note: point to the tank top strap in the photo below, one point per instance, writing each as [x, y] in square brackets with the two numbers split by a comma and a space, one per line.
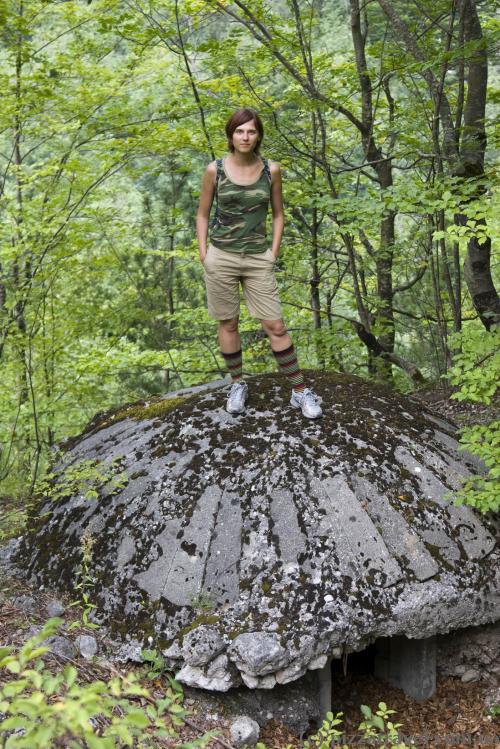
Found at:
[266, 170]
[218, 177]
[220, 172]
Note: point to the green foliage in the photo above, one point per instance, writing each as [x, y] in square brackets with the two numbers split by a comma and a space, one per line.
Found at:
[83, 477]
[155, 668]
[12, 519]
[476, 365]
[378, 726]
[154, 664]
[376, 729]
[84, 583]
[43, 709]
[327, 733]
[475, 374]
[77, 332]
[482, 492]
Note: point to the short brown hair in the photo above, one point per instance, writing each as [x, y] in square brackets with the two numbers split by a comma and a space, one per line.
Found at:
[239, 118]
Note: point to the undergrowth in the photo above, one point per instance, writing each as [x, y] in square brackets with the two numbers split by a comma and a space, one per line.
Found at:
[51, 708]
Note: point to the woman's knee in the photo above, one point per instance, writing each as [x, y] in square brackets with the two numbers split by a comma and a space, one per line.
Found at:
[274, 327]
[230, 325]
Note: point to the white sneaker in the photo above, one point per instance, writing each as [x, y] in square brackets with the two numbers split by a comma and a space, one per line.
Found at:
[307, 401]
[237, 397]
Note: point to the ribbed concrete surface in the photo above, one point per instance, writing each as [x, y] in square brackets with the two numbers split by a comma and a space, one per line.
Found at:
[312, 536]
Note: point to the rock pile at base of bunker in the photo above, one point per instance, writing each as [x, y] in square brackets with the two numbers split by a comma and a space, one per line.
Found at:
[250, 548]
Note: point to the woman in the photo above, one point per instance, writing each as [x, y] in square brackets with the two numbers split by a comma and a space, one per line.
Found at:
[244, 184]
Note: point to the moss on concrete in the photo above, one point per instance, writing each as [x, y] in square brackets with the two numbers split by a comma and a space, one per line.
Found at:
[198, 621]
[157, 409]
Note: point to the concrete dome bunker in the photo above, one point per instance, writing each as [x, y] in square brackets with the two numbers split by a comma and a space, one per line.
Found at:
[253, 549]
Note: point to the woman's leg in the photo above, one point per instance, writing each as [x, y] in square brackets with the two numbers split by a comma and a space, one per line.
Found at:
[230, 347]
[284, 352]
[262, 297]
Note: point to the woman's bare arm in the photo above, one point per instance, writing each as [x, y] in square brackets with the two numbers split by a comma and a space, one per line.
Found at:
[277, 207]
[206, 199]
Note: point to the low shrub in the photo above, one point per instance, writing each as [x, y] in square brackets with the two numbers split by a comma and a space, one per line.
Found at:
[40, 709]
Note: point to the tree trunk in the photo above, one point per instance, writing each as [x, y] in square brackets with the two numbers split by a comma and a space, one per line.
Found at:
[384, 320]
[477, 271]
[466, 158]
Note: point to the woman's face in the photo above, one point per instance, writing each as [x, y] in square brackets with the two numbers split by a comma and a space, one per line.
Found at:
[245, 137]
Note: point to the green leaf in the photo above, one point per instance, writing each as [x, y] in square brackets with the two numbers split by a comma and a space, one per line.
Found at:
[366, 711]
[10, 724]
[137, 718]
[13, 666]
[99, 742]
[3, 652]
[70, 675]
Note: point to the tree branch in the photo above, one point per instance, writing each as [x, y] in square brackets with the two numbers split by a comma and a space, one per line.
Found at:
[438, 95]
[260, 32]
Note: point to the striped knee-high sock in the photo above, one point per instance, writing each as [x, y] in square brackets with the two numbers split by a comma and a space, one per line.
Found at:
[234, 364]
[288, 364]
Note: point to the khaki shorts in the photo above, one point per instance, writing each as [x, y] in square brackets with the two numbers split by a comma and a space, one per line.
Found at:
[224, 271]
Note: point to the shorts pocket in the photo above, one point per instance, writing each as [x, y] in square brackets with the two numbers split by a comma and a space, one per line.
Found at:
[204, 263]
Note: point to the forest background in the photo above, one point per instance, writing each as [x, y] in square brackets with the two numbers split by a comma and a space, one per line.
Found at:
[383, 118]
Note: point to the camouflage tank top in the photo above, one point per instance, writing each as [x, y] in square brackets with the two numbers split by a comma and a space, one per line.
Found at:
[239, 224]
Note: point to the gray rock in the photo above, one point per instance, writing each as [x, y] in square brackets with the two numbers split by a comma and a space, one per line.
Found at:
[55, 608]
[470, 675]
[218, 667]
[87, 645]
[267, 682]
[473, 648]
[243, 731]
[61, 646]
[201, 645]
[319, 661]
[258, 653]
[129, 651]
[293, 671]
[32, 631]
[252, 682]
[261, 548]
[174, 651]
[25, 603]
[8, 553]
[219, 680]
